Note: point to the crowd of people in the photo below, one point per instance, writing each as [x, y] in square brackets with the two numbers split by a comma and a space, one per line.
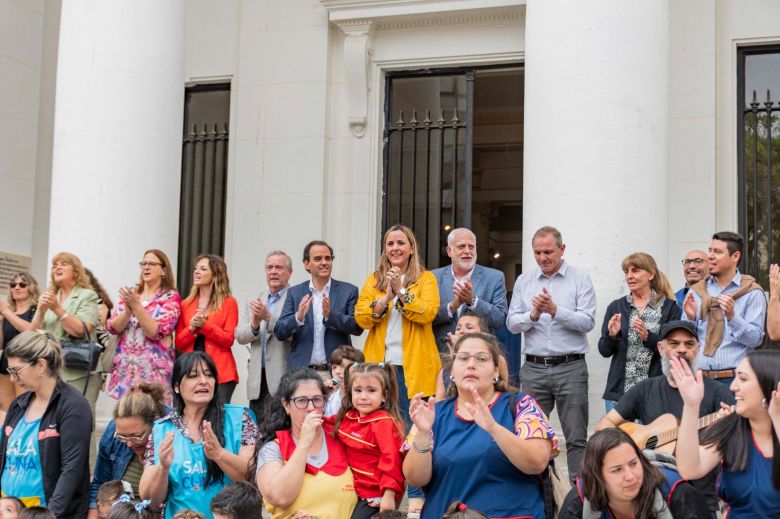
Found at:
[432, 407]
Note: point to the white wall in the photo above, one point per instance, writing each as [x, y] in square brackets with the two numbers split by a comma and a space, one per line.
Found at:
[21, 52]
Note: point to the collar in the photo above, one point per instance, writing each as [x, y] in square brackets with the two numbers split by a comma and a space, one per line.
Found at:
[281, 292]
[469, 274]
[561, 271]
[325, 290]
[379, 414]
[736, 281]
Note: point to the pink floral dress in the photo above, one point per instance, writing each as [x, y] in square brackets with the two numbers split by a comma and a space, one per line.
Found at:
[139, 358]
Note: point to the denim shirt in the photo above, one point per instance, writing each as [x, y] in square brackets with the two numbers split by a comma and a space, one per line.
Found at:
[112, 460]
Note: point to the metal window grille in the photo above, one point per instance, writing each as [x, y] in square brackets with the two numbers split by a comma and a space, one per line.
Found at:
[759, 169]
[427, 162]
[203, 178]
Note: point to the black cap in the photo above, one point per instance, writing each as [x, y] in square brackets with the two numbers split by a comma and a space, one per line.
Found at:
[669, 327]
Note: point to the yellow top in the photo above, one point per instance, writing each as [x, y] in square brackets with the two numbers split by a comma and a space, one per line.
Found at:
[323, 496]
[421, 360]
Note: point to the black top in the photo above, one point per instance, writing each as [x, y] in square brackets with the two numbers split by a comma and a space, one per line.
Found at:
[686, 503]
[9, 332]
[66, 430]
[653, 397]
[617, 347]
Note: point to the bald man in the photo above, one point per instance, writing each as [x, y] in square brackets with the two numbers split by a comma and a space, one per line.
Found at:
[694, 269]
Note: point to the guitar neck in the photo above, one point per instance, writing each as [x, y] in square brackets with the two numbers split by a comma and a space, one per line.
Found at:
[705, 421]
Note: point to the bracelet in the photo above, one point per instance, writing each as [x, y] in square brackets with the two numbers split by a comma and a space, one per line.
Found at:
[375, 315]
[64, 316]
[422, 450]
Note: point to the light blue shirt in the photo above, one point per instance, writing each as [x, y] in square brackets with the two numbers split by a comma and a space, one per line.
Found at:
[318, 355]
[566, 333]
[745, 331]
[22, 475]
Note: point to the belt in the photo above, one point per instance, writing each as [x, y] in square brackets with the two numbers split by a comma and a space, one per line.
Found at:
[319, 367]
[723, 373]
[555, 360]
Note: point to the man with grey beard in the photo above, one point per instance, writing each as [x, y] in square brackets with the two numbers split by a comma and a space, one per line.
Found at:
[659, 395]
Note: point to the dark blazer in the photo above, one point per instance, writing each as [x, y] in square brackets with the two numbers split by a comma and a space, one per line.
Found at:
[488, 286]
[617, 347]
[63, 443]
[338, 328]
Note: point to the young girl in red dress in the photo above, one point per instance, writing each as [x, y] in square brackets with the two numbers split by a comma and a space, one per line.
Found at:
[370, 426]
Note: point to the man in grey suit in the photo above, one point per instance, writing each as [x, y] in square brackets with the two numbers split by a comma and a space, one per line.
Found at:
[464, 285]
[268, 355]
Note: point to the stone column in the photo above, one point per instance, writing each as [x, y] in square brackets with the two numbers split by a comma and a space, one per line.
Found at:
[117, 134]
[596, 139]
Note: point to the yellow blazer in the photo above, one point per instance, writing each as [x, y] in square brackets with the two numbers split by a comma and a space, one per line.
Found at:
[421, 360]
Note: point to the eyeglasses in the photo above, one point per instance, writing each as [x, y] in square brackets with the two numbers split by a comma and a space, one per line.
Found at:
[144, 264]
[16, 372]
[20, 284]
[138, 440]
[302, 402]
[698, 262]
[480, 358]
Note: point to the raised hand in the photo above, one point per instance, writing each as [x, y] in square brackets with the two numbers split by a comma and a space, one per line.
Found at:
[394, 280]
[639, 326]
[774, 281]
[480, 412]
[211, 446]
[691, 387]
[774, 405]
[689, 306]
[310, 429]
[303, 307]
[726, 303]
[325, 307]
[422, 413]
[165, 451]
[613, 327]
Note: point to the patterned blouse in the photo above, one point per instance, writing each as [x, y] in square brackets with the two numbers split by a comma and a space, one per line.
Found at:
[139, 358]
[248, 433]
[638, 356]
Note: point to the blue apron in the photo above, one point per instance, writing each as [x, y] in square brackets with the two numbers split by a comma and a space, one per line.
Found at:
[187, 487]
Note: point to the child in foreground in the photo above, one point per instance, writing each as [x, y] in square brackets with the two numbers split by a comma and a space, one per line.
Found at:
[239, 500]
[370, 426]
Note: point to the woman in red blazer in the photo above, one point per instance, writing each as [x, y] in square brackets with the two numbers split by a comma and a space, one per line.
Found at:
[208, 320]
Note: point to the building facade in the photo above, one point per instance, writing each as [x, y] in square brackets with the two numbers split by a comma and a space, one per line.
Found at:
[617, 122]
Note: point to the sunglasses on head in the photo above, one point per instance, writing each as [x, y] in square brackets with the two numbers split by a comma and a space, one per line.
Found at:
[20, 284]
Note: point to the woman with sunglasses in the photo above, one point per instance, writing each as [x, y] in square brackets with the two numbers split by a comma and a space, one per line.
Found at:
[201, 446]
[46, 434]
[123, 445]
[145, 318]
[15, 316]
[297, 464]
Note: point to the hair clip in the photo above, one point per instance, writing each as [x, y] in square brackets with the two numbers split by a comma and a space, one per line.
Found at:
[139, 507]
[462, 507]
[124, 498]
[381, 365]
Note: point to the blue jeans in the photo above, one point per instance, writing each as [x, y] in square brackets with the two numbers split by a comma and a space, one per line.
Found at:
[609, 405]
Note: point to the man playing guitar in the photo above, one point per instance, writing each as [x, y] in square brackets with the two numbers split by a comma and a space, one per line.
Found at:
[650, 399]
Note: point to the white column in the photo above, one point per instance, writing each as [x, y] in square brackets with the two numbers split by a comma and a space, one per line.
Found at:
[596, 138]
[117, 134]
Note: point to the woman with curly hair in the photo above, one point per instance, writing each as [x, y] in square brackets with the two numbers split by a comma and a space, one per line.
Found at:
[208, 320]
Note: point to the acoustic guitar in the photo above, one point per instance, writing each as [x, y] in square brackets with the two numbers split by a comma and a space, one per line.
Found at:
[661, 433]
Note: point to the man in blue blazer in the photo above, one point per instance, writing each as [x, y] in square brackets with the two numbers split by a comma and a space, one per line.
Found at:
[464, 285]
[318, 314]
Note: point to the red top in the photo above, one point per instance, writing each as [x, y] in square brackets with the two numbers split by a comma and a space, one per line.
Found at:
[337, 460]
[374, 452]
[219, 331]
